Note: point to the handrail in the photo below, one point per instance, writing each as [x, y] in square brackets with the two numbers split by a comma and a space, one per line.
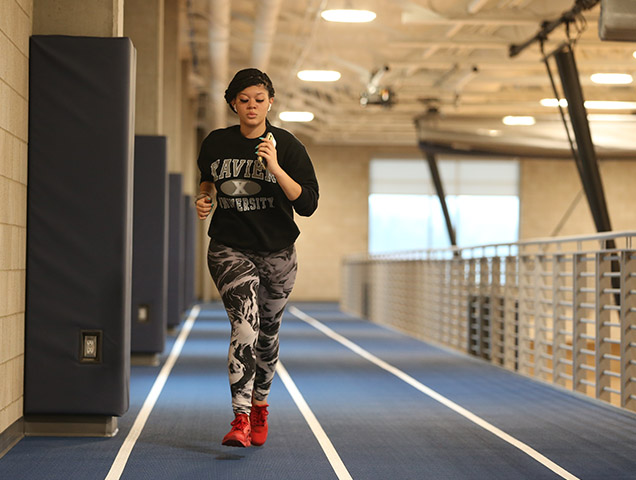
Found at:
[562, 310]
[454, 251]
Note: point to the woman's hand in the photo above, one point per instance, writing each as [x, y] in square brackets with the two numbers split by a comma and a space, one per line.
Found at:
[267, 151]
[203, 203]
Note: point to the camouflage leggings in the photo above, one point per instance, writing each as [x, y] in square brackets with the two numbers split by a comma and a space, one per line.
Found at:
[254, 287]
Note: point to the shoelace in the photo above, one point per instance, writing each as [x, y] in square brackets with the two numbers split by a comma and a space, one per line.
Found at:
[239, 423]
[259, 416]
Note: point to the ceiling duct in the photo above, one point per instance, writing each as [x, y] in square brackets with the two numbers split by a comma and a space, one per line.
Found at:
[219, 42]
[264, 32]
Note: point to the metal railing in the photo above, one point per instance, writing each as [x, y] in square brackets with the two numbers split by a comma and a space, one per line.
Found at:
[562, 310]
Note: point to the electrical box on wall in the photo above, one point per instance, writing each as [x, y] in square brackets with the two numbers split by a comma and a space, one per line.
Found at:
[91, 346]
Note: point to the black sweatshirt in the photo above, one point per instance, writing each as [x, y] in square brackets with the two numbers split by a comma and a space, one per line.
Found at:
[252, 210]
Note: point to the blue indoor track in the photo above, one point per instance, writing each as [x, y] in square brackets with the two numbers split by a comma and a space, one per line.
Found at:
[351, 400]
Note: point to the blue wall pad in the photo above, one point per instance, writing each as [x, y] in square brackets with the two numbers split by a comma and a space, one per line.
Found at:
[79, 217]
[176, 238]
[189, 247]
[150, 246]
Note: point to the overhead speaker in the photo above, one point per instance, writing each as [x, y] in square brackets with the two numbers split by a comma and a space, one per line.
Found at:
[617, 22]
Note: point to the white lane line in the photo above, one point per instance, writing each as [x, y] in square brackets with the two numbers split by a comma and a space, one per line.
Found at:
[331, 453]
[121, 459]
[433, 394]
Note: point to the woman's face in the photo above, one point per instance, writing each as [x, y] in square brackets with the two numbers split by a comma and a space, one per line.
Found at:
[252, 104]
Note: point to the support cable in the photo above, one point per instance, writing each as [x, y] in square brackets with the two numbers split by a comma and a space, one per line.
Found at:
[548, 27]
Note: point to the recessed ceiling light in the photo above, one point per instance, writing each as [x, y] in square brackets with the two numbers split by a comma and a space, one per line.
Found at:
[592, 104]
[612, 78]
[296, 116]
[489, 132]
[518, 120]
[604, 117]
[348, 16]
[609, 105]
[552, 102]
[319, 75]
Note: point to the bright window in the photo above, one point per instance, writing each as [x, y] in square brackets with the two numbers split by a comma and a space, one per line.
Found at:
[405, 213]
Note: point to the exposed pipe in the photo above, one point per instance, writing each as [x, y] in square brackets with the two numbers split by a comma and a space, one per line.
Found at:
[264, 32]
[219, 42]
[475, 6]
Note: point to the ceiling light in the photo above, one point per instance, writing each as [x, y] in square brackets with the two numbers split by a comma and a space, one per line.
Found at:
[609, 105]
[518, 120]
[348, 16]
[604, 117]
[552, 102]
[489, 132]
[634, 54]
[612, 78]
[319, 75]
[296, 116]
[592, 104]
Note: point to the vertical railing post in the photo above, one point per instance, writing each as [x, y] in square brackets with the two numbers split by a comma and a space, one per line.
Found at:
[527, 314]
[511, 314]
[559, 322]
[579, 331]
[628, 329]
[496, 313]
[485, 309]
[472, 313]
[542, 327]
[602, 319]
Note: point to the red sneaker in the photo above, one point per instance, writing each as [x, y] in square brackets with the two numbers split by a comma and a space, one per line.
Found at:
[258, 417]
[239, 436]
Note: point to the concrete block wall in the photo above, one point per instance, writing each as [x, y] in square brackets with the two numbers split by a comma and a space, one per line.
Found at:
[549, 187]
[15, 29]
[340, 225]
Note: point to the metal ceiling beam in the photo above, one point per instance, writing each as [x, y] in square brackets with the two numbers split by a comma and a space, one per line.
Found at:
[585, 157]
[439, 189]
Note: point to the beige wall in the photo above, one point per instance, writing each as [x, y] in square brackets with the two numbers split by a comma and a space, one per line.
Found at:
[549, 187]
[15, 29]
[340, 225]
